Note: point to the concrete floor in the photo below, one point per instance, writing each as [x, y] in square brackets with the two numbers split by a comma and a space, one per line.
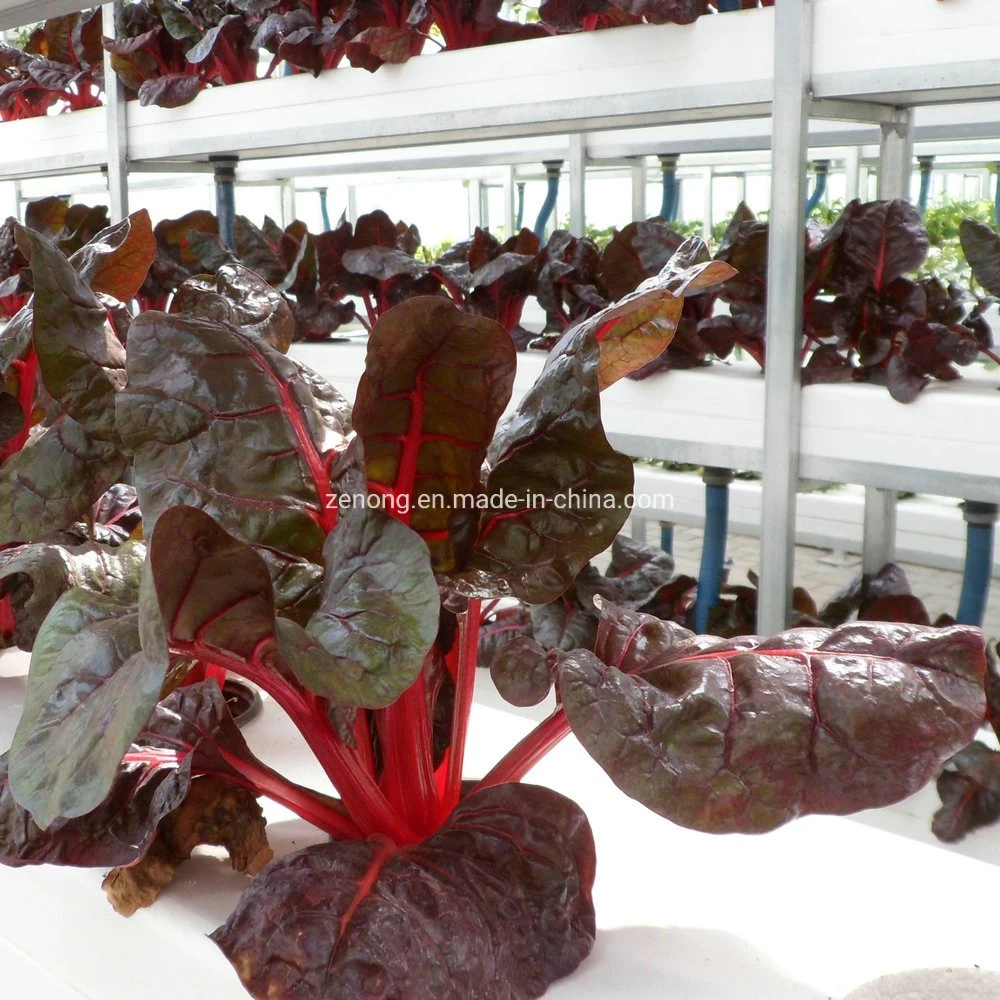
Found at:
[823, 573]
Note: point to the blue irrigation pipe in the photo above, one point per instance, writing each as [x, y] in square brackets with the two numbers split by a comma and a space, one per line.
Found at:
[713, 547]
[996, 201]
[553, 171]
[519, 221]
[667, 537]
[926, 170]
[980, 525]
[725, 6]
[671, 189]
[225, 197]
[822, 170]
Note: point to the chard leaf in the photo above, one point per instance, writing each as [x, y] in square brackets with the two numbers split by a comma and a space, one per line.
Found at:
[640, 569]
[557, 488]
[81, 360]
[89, 692]
[54, 479]
[380, 605]
[635, 253]
[51, 570]
[743, 736]
[969, 787]
[214, 593]
[885, 240]
[522, 672]
[173, 90]
[981, 246]
[115, 262]
[435, 384]
[220, 420]
[496, 905]
[189, 731]
[236, 296]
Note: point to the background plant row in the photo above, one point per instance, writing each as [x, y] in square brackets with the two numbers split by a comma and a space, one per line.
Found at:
[166, 51]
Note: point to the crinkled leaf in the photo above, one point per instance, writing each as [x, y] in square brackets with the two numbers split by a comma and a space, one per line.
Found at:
[54, 479]
[884, 241]
[89, 692]
[236, 296]
[11, 417]
[557, 488]
[641, 569]
[82, 361]
[218, 419]
[41, 574]
[380, 604]
[636, 253]
[981, 246]
[170, 91]
[496, 905]
[435, 384]
[969, 787]
[745, 735]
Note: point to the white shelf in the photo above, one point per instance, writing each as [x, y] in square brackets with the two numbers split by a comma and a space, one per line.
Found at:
[945, 442]
[638, 75]
[52, 144]
[906, 51]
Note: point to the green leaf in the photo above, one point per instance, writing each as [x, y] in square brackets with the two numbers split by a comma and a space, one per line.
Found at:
[218, 419]
[81, 360]
[90, 690]
[54, 479]
[380, 606]
[52, 570]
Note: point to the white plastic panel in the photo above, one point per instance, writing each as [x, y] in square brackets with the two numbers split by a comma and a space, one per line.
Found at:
[643, 74]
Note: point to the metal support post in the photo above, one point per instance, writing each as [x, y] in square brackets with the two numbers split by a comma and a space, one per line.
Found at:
[638, 167]
[352, 204]
[895, 166]
[114, 116]
[225, 195]
[519, 218]
[638, 525]
[785, 265]
[509, 220]
[577, 184]
[709, 207]
[288, 207]
[475, 189]
[852, 173]
[878, 544]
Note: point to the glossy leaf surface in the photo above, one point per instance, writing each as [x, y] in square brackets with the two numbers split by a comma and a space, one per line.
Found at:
[745, 735]
[496, 905]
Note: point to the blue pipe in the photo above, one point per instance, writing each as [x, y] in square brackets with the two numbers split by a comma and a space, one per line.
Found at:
[725, 6]
[671, 189]
[553, 170]
[926, 169]
[324, 210]
[225, 198]
[822, 168]
[980, 521]
[713, 548]
[519, 221]
[667, 537]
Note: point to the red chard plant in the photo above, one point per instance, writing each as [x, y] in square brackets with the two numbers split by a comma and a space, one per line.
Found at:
[288, 539]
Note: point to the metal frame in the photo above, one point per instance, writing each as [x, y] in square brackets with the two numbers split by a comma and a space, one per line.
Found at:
[782, 398]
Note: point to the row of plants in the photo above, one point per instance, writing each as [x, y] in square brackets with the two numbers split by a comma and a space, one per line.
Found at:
[251, 542]
[166, 51]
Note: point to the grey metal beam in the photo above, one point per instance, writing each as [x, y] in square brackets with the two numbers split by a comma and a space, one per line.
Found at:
[638, 167]
[878, 545]
[895, 167]
[117, 142]
[577, 184]
[15, 13]
[785, 265]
